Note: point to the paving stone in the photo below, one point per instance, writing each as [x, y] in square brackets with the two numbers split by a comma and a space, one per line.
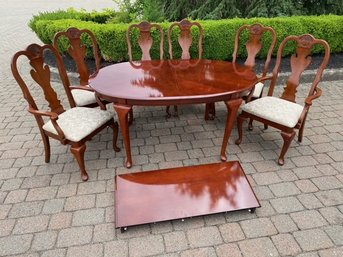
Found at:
[146, 246]
[306, 186]
[31, 224]
[54, 253]
[258, 227]
[330, 197]
[310, 201]
[25, 209]
[44, 240]
[7, 173]
[43, 193]
[67, 190]
[202, 237]
[327, 182]
[231, 232]
[6, 227]
[286, 204]
[266, 178]
[335, 233]
[88, 217]
[104, 232]
[16, 196]
[201, 252]
[175, 241]
[195, 222]
[15, 244]
[74, 236]
[284, 223]
[231, 249]
[60, 220]
[79, 202]
[332, 215]
[53, 206]
[92, 187]
[258, 247]
[214, 219]
[286, 245]
[312, 240]
[308, 219]
[334, 252]
[284, 189]
[94, 250]
[118, 248]
[307, 172]
[161, 227]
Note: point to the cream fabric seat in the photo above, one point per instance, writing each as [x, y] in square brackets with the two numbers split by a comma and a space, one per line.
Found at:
[275, 109]
[83, 97]
[258, 90]
[79, 122]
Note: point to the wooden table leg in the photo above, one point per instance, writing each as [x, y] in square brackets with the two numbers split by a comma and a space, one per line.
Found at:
[232, 108]
[122, 113]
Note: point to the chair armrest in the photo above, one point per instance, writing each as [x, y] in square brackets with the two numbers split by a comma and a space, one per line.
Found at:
[53, 117]
[262, 79]
[82, 88]
[258, 81]
[309, 99]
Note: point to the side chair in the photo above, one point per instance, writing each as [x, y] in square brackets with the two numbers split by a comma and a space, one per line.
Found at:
[145, 42]
[82, 94]
[185, 40]
[74, 126]
[284, 112]
[253, 46]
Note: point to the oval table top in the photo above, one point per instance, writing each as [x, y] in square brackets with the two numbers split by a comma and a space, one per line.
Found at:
[161, 82]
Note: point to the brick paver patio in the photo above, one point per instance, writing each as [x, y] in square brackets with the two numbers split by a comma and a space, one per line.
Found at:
[45, 209]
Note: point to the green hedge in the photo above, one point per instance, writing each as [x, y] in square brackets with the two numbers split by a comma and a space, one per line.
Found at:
[219, 35]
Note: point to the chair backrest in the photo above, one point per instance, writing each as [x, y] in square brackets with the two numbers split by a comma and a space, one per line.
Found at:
[77, 50]
[41, 74]
[145, 40]
[185, 38]
[254, 44]
[299, 62]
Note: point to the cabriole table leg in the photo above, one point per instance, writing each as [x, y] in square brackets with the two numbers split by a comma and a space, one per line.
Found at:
[232, 108]
[122, 113]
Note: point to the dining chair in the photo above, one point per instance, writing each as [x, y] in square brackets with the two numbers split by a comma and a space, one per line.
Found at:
[253, 44]
[74, 126]
[284, 112]
[145, 39]
[75, 39]
[185, 41]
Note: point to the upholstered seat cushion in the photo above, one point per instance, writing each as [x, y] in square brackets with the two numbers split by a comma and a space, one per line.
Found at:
[83, 97]
[79, 122]
[275, 109]
[257, 90]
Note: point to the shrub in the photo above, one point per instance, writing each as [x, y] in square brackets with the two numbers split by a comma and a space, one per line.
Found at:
[219, 35]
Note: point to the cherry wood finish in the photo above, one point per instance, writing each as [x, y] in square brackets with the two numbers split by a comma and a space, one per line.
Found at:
[41, 74]
[77, 50]
[299, 62]
[176, 193]
[145, 40]
[253, 47]
[185, 41]
[167, 82]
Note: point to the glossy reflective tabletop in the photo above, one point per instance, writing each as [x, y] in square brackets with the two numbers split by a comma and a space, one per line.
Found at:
[173, 82]
[177, 193]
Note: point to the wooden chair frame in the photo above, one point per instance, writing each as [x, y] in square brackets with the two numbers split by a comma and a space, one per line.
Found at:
[299, 62]
[40, 73]
[145, 39]
[77, 50]
[185, 41]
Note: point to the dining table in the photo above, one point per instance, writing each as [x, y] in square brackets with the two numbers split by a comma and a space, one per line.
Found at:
[173, 82]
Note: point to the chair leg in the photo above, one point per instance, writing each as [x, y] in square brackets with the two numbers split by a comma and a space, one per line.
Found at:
[301, 131]
[114, 127]
[210, 111]
[250, 126]
[130, 117]
[79, 153]
[287, 139]
[265, 126]
[240, 121]
[46, 147]
[168, 111]
[176, 111]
